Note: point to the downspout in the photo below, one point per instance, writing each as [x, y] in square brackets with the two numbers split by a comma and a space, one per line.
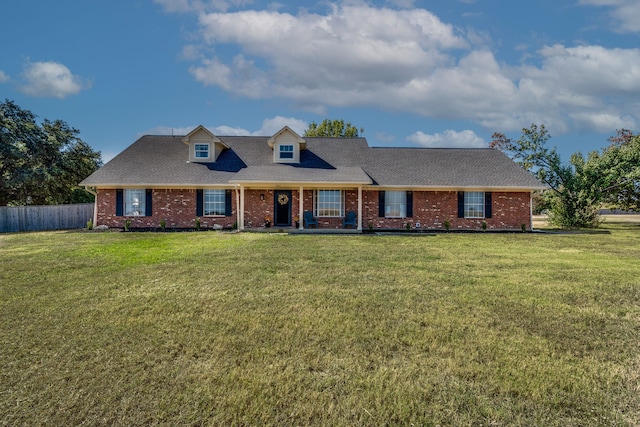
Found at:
[531, 210]
[238, 208]
[242, 207]
[95, 205]
[301, 208]
[360, 208]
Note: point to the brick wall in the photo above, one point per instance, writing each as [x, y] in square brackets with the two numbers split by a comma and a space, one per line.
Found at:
[176, 207]
[430, 208]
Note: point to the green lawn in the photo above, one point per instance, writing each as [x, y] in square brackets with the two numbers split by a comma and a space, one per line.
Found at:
[261, 329]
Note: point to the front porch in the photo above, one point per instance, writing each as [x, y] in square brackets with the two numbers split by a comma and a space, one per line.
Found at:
[284, 209]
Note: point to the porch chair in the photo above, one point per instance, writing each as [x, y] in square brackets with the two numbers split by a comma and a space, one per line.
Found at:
[350, 219]
[309, 220]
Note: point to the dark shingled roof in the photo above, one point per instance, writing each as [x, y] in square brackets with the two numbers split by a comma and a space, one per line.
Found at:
[157, 161]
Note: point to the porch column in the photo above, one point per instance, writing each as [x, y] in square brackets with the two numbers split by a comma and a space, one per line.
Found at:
[360, 208]
[241, 210]
[301, 208]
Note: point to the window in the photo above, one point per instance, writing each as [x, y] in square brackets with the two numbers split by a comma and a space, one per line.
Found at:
[134, 202]
[395, 204]
[201, 151]
[474, 204]
[286, 151]
[329, 203]
[214, 203]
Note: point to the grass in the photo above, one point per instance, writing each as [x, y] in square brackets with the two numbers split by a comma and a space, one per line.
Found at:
[261, 329]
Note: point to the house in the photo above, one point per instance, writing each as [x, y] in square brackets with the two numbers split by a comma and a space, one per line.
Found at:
[244, 180]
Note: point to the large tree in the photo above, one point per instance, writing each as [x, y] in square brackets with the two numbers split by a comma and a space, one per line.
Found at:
[332, 129]
[574, 196]
[41, 163]
[617, 170]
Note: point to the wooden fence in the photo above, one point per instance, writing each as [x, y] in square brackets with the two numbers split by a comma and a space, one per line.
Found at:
[38, 218]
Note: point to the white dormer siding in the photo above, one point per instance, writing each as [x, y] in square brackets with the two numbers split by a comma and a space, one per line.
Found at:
[204, 146]
[286, 145]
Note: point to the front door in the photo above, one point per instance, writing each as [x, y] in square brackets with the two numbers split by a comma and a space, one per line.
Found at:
[282, 208]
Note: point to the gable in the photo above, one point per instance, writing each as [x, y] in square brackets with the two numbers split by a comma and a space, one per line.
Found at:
[286, 146]
[204, 146]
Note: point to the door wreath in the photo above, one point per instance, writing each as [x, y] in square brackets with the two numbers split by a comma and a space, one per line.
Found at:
[283, 199]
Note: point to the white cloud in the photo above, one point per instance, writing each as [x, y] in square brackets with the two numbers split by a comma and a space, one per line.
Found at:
[51, 79]
[448, 139]
[411, 61]
[269, 127]
[166, 130]
[200, 5]
[625, 13]
[3, 77]
[384, 137]
[273, 125]
[350, 49]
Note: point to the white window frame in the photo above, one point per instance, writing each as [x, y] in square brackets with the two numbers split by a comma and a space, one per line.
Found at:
[395, 204]
[214, 202]
[328, 203]
[288, 150]
[200, 149]
[135, 202]
[474, 204]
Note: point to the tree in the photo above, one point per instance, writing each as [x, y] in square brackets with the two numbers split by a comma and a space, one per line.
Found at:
[41, 164]
[575, 196]
[332, 129]
[617, 170]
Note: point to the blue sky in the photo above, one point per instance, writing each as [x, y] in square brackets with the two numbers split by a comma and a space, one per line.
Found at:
[410, 73]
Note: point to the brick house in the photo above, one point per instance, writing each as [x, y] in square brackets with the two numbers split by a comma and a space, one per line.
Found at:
[242, 181]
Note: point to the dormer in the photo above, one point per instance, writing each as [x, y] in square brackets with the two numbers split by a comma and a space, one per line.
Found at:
[286, 146]
[204, 146]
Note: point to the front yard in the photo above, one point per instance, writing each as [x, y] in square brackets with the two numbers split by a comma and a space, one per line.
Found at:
[261, 329]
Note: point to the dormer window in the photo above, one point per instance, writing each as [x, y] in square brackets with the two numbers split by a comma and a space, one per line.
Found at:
[286, 151]
[286, 146]
[203, 145]
[201, 151]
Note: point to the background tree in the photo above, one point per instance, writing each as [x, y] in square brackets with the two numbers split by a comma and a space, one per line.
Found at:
[332, 129]
[41, 164]
[575, 196]
[617, 170]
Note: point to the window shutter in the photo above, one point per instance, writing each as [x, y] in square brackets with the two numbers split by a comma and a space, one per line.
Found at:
[409, 204]
[119, 202]
[199, 202]
[148, 209]
[487, 204]
[381, 204]
[227, 203]
[460, 204]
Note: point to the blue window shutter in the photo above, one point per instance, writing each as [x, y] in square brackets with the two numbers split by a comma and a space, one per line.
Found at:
[381, 204]
[409, 204]
[227, 203]
[487, 204]
[148, 209]
[460, 204]
[199, 202]
[119, 202]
